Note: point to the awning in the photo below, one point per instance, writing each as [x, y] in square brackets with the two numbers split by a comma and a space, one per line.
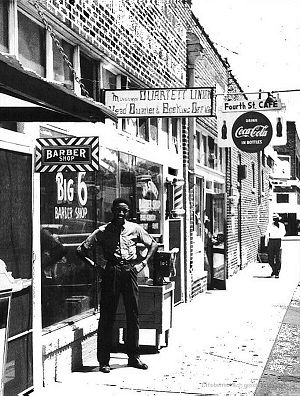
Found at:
[54, 101]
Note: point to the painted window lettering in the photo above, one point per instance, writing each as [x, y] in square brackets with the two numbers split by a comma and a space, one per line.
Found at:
[66, 189]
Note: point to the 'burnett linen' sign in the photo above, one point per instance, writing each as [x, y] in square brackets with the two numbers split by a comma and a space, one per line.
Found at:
[164, 102]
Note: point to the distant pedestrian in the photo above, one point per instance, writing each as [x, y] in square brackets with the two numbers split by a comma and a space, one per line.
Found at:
[208, 252]
[275, 232]
[119, 239]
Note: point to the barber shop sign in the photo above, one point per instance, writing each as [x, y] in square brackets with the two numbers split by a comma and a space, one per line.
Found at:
[252, 132]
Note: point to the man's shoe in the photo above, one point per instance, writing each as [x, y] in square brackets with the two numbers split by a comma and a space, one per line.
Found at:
[137, 363]
[277, 276]
[104, 368]
[273, 273]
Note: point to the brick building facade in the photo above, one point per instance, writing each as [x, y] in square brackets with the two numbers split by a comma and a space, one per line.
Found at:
[285, 181]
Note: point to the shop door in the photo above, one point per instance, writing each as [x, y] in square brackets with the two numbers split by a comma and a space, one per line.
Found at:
[215, 208]
[16, 252]
[174, 242]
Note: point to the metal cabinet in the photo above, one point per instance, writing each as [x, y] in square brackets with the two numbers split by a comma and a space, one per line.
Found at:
[155, 311]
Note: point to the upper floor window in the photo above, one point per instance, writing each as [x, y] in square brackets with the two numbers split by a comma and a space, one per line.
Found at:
[61, 71]
[211, 154]
[109, 79]
[175, 134]
[4, 26]
[147, 129]
[221, 159]
[32, 45]
[88, 72]
[282, 198]
[204, 150]
[165, 126]
[143, 129]
[198, 146]
[153, 130]
[253, 175]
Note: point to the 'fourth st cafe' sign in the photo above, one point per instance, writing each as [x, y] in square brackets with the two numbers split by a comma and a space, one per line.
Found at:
[251, 125]
[252, 132]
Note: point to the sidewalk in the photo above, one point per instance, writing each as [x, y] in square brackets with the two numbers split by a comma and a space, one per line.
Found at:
[219, 344]
[281, 375]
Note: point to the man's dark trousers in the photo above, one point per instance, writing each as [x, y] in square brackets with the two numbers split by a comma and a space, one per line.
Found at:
[118, 279]
[274, 252]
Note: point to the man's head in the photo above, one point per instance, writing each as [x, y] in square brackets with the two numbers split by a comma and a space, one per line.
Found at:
[120, 209]
[276, 217]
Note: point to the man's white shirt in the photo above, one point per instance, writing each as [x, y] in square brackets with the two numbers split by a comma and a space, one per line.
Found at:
[274, 232]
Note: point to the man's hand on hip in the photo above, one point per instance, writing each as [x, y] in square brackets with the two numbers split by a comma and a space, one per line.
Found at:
[140, 266]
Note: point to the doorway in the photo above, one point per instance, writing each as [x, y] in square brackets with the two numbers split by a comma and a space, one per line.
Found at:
[16, 252]
[175, 232]
[216, 212]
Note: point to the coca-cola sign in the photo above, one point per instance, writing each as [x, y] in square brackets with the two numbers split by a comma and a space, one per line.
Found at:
[252, 132]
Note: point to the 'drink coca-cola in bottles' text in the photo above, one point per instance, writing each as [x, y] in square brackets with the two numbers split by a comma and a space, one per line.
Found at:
[252, 132]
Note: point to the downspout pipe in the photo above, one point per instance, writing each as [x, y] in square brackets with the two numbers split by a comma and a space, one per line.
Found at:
[194, 52]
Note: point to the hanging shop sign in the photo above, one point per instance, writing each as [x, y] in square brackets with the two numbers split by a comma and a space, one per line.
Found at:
[232, 111]
[67, 154]
[162, 102]
[252, 132]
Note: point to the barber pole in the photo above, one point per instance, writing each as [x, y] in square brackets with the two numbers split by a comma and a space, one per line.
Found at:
[178, 199]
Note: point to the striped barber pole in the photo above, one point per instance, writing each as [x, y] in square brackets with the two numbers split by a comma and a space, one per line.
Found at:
[178, 199]
[74, 154]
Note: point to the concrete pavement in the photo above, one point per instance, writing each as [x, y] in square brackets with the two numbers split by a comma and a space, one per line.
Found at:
[220, 343]
[281, 375]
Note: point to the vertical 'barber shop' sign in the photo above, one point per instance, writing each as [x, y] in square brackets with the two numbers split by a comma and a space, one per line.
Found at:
[77, 154]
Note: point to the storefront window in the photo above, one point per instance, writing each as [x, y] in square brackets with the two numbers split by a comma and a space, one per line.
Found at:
[73, 204]
[106, 184]
[127, 181]
[218, 217]
[68, 214]
[148, 195]
[198, 206]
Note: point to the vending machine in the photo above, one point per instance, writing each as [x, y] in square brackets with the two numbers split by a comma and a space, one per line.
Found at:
[5, 299]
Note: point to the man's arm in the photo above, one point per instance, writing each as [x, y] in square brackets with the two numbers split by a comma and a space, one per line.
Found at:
[267, 235]
[283, 229]
[150, 253]
[83, 249]
[82, 252]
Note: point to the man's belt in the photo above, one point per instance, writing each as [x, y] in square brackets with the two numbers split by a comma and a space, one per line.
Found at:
[124, 264]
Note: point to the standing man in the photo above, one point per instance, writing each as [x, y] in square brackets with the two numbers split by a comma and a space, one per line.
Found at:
[275, 233]
[119, 239]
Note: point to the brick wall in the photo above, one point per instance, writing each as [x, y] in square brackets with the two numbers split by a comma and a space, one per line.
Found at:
[292, 148]
[146, 38]
[66, 348]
